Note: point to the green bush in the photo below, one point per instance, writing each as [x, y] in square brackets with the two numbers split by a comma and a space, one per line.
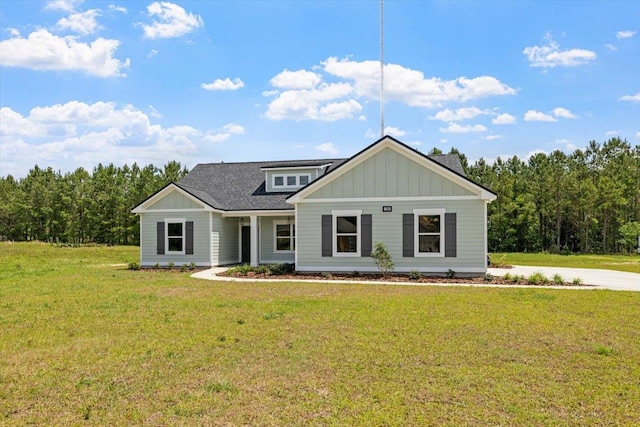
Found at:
[488, 277]
[184, 267]
[280, 269]
[171, 265]
[557, 279]
[415, 275]
[450, 274]
[134, 266]
[537, 278]
[382, 258]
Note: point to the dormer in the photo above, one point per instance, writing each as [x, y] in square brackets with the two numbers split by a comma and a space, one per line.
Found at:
[291, 176]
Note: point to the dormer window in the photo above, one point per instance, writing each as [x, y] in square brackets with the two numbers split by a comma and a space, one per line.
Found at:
[291, 181]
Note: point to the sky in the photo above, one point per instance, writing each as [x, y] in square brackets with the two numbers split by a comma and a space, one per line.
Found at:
[89, 82]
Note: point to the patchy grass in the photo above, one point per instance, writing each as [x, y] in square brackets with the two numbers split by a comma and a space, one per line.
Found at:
[630, 263]
[84, 339]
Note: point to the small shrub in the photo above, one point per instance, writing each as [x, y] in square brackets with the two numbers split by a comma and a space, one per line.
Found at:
[326, 275]
[171, 265]
[261, 269]
[537, 278]
[577, 281]
[382, 258]
[134, 266]
[557, 279]
[508, 276]
[355, 274]
[156, 266]
[240, 270]
[415, 275]
[192, 266]
[280, 269]
[184, 267]
[450, 274]
[488, 277]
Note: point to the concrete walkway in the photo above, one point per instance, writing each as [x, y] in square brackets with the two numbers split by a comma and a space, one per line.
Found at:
[600, 279]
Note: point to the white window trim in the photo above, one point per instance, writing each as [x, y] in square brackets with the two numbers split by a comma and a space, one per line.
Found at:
[284, 180]
[291, 225]
[334, 232]
[416, 238]
[168, 221]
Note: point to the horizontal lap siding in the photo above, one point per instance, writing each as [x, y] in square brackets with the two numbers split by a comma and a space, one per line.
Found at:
[148, 239]
[387, 228]
[224, 242]
[267, 253]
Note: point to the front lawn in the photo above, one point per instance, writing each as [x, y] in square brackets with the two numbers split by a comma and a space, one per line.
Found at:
[630, 263]
[84, 340]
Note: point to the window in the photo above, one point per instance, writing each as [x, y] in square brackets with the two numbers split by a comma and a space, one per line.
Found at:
[347, 233]
[291, 181]
[285, 236]
[175, 235]
[429, 232]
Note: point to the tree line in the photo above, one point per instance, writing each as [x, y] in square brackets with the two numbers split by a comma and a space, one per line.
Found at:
[586, 201]
[80, 207]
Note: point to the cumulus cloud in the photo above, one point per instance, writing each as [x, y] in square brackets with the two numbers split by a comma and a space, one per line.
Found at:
[388, 130]
[504, 119]
[492, 137]
[612, 133]
[564, 113]
[460, 114]
[568, 145]
[635, 97]
[120, 9]
[45, 51]
[172, 21]
[83, 23]
[550, 55]
[63, 5]
[625, 34]
[301, 79]
[74, 134]
[320, 103]
[328, 147]
[538, 116]
[457, 128]
[225, 84]
[410, 86]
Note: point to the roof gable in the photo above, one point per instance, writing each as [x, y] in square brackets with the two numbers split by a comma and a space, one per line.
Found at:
[444, 180]
[171, 197]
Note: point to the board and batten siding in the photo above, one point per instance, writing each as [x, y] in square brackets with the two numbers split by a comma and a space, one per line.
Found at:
[389, 174]
[148, 239]
[387, 228]
[175, 200]
[224, 240]
[267, 237]
[297, 171]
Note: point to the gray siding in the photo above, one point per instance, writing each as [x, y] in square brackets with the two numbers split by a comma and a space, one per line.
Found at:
[148, 239]
[387, 228]
[224, 240]
[389, 174]
[267, 253]
[269, 177]
[175, 200]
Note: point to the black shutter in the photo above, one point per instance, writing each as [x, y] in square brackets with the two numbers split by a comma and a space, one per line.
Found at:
[160, 238]
[450, 236]
[407, 235]
[367, 237]
[189, 238]
[327, 235]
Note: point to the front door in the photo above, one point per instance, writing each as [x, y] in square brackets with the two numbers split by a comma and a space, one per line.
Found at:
[246, 244]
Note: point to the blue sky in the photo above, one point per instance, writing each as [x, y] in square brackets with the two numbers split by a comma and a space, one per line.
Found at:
[88, 82]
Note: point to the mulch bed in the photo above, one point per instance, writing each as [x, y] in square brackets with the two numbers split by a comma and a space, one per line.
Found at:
[398, 278]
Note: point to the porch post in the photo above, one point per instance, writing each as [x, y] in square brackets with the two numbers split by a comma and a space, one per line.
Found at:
[254, 240]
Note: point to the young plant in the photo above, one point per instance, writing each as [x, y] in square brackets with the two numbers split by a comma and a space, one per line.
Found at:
[450, 274]
[382, 258]
[415, 275]
[537, 278]
[557, 279]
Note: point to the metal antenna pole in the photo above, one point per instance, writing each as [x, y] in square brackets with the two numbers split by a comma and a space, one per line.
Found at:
[381, 68]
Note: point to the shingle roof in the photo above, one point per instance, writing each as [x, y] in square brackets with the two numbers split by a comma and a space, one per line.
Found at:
[241, 186]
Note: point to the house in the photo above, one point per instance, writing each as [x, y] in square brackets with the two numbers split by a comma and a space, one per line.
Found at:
[322, 215]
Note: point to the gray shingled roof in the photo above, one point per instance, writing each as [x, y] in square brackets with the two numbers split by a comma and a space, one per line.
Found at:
[241, 186]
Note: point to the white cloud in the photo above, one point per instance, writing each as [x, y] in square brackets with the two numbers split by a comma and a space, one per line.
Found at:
[63, 5]
[635, 97]
[328, 147]
[301, 79]
[625, 34]
[82, 22]
[225, 84]
[537, 116]
[394, 131]
[173, 21]
[460, 114]
[456, 128]
[638, 135]
[45, 51]
[492, 137]
[152, 53]
[154, 113]
[612, 133]
[504, 119]
[443, 140]
[410, 86]
[610, 47]
[314, 104]
[564, 113]
[550, 55]
[74, 134]
[568, 144]
[120, 9]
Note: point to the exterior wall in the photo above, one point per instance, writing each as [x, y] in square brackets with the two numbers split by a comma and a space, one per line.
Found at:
[267, 241]
[225, 247]
[387, 228]
[297, 171]
[175, 200]
[389, 174]
[148, 236]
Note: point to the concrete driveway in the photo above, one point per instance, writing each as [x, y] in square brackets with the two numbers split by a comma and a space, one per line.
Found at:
[606, 279]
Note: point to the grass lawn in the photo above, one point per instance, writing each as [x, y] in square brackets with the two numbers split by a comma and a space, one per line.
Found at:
[629, 263]
[83, 340]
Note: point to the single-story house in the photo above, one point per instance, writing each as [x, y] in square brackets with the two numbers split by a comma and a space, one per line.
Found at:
[322, 215]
